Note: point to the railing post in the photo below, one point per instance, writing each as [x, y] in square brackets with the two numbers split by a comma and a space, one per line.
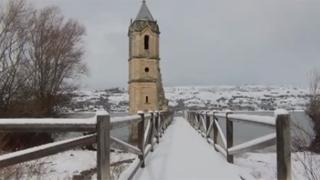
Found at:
[172, 116]
[152, 130]
[198, 121]
[283, 146]
[215, 132]
[192, 119]
[195, 120]
[157, 126]
[160, 124]
[207, 124]
[141, 132]
[103, 146]
[229, 126]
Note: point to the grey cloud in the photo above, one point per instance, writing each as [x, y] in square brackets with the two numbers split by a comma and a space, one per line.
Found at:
[204, 42]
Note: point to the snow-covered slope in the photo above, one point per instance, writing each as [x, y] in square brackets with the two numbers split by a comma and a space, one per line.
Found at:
[247, 97]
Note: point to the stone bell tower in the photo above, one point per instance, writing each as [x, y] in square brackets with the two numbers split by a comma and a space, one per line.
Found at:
[145, 86]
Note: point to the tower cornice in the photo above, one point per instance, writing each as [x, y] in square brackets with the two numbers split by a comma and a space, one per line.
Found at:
[144, 57]
[140, 25]
[142, 81]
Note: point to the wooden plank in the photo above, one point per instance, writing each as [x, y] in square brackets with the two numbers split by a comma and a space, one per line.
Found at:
[147, 150]
[45, 150]
[219, 130]
[283, 147]
[125, 146]
[208, 125]
[152, 131]
[221, 149]
[121, 162]
[62, 124]
[251, 145]
[103, 147]
[210, 128]
[147, 134]
[255, 119]
[221, 115]
[203, 123]
[47, 125]
[229, 132]
[118, 122]
[249, 118]
[215, 133]
[141, 132]
[202, 134]
[157, 123]
[134, 171]
[198, 121]
[160, 125]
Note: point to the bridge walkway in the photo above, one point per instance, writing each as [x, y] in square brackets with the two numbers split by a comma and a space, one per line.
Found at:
[183, 154]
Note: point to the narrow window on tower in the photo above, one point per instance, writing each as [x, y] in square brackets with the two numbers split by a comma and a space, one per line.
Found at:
[146, 42]
[147, 99]
[146, 69]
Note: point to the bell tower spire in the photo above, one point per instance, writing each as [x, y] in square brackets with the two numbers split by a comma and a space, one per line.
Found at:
[144, 14]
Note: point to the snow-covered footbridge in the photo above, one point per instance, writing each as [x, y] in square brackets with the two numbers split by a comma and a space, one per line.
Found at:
[183, 154]
[195, 146]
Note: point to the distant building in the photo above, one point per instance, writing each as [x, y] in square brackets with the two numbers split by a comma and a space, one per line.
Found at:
[145, 85]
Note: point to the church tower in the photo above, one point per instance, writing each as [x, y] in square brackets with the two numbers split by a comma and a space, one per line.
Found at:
[145, 86]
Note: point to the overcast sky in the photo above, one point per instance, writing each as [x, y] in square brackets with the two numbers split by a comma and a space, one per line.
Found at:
[204, 42]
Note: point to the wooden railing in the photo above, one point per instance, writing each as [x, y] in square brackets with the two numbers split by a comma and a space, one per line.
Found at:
[150, 127]
[207, 124]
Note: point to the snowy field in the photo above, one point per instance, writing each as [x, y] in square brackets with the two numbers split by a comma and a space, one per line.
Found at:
[247, 97]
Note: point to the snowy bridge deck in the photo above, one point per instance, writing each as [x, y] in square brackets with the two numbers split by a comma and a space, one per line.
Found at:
[184, 154]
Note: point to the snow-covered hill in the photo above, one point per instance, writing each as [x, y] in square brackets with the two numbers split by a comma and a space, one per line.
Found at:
[247, 97]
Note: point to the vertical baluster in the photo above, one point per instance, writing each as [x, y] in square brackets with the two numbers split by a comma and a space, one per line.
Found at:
[157, 126]
[215, 132]
[229, 126]
[198, 120]
[141, 132]
[152, 129]
[207, 125]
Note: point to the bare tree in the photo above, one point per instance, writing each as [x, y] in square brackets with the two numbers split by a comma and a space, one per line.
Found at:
[55, 55]
[40, 57]
[13, 40]
[313, 109]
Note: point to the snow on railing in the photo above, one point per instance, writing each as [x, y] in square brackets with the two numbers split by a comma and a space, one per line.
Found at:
[280, 121]
[100, 125]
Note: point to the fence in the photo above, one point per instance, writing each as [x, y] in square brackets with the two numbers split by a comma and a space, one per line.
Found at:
[209, 127]
[150, 127]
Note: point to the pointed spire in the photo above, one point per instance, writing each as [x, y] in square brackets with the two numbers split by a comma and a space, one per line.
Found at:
[144, 13]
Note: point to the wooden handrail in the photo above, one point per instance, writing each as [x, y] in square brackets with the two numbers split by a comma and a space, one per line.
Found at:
[280, 121]
[101, 123]
[45, 150]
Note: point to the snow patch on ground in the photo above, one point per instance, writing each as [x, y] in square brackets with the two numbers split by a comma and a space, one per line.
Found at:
[64, 165]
